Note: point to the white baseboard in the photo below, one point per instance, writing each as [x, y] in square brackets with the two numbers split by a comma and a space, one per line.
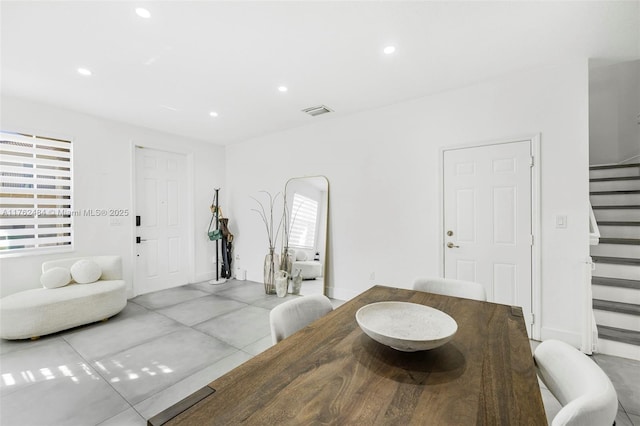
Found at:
[340, 293]
[623, 350]
[205, 277]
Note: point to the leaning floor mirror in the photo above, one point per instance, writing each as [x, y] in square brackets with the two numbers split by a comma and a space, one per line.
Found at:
[307, 200]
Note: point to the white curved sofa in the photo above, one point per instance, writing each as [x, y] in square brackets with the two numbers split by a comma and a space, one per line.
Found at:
[40, 311]
[309, 269]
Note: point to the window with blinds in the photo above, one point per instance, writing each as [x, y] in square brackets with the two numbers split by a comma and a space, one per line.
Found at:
[35, 194]
[304, 215]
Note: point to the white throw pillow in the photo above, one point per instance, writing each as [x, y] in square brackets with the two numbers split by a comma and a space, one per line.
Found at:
[55, 277]
[85, 271]
[301, 255]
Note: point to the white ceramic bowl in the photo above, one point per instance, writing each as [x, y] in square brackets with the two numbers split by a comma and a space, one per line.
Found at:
[407, 327]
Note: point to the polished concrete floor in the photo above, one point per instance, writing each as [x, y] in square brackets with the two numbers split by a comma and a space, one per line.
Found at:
[163, 347]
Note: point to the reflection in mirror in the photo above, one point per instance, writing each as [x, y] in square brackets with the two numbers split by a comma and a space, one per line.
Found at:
[307, 201]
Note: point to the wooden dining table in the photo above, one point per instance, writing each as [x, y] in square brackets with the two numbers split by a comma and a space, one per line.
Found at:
[331, 373]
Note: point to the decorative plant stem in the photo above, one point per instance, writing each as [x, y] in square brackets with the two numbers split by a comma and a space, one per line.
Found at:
[268, 218]
[285, 260]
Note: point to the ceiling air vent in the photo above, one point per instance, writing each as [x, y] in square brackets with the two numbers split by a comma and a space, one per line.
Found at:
[317, 110]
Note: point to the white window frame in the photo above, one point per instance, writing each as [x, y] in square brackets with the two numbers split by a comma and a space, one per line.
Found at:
[301, 224]
[36, 195]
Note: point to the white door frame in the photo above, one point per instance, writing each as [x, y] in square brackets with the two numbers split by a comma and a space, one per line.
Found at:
[536, 289]
[190, 223]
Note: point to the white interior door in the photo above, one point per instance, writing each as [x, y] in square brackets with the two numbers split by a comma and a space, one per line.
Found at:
[161, 203]
[488, 220]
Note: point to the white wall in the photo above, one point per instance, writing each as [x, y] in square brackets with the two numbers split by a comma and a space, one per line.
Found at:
[382, 167]
[614, 112]
[103, 170]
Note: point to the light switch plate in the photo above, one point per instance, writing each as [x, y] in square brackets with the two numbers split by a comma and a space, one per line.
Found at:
[561, 221]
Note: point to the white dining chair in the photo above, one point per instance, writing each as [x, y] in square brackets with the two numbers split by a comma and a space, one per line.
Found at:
[291, 316]
[586, 394]
[451, 287]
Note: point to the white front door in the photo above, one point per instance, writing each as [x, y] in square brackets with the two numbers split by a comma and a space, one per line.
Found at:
[161, 204]
[488, 220]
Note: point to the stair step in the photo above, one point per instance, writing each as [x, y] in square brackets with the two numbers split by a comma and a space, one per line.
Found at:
[618, 192]
[616, 282]
[625, 183]
[614, 171]
[618, 223]
[614, 166]
[614, 179]
[621, 307]
[617, 320]
[621, 207]
[616, 213]
[607, 230]
[619, 349]
[615, 200]
[628, 241]
[616, 260]
[612, 270]
[605, 248]
[616, 294]
[619, 335]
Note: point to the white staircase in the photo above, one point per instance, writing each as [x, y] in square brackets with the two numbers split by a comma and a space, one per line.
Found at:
[615, 197]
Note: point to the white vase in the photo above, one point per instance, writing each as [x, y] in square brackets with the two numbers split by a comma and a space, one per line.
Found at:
[282, 283]
[270, 265]
[297, 282]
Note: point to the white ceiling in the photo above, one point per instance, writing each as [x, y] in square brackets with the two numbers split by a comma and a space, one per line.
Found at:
[230, 57]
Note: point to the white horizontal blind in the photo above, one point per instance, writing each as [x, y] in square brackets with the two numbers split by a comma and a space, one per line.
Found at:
[35, 194]
[304, 213]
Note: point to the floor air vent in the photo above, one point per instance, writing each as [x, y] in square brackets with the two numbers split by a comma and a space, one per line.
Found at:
[317, 110]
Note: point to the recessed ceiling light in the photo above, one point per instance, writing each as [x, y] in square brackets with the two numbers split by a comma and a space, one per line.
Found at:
[283, 88]
[389, 50]
[213, 114]
[143, 13]
[84, 71]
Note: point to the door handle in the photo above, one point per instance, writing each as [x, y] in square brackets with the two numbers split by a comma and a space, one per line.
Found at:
[451, 245]
[139, 240]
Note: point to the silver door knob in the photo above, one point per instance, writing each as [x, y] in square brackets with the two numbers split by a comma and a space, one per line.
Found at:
[451, 245]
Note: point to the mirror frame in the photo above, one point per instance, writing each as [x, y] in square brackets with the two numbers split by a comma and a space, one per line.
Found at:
[324, 253]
